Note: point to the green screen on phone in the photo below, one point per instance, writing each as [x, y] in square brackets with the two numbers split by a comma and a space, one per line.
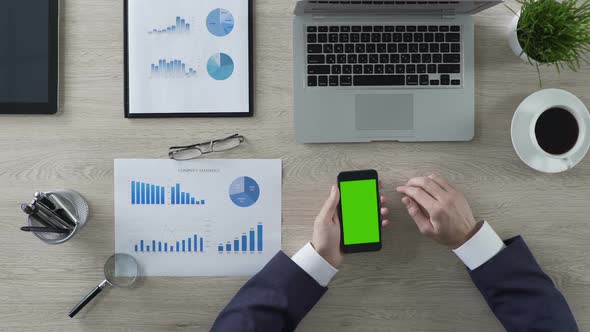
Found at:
[360, 211]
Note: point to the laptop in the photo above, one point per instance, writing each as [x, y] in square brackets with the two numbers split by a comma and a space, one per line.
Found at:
[384, 70]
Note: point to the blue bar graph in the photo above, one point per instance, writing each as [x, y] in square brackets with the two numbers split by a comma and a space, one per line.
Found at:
[250, 242]
[147, 193]
[143, 193]
[181, 26]
[179, 197]
[173, 68]
[191, 244]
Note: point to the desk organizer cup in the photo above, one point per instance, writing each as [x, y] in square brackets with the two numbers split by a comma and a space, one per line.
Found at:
[79, 207]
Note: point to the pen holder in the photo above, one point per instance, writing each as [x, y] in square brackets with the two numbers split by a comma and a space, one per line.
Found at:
[77, 204]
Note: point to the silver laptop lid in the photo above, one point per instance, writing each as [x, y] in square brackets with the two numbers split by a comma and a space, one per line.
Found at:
[393, 7]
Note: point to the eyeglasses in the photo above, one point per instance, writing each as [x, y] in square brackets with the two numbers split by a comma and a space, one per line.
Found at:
[196, 150]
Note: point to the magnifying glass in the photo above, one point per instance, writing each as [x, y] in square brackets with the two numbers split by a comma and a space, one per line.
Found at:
[120, 270]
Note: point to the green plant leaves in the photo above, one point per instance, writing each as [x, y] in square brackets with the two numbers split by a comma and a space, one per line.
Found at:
[555, 33]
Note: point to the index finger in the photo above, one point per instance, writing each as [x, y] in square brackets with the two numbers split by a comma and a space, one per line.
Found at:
[419, 196]
[429, 185]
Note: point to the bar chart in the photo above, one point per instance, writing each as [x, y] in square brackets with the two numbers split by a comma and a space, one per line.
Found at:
[192, 244]
[181, 26]
[252, 241]
[147, 193]
[143, 193]
[174, 68]
[179, 197]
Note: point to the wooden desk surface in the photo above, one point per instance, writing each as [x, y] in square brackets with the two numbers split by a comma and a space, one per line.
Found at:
[412, 285]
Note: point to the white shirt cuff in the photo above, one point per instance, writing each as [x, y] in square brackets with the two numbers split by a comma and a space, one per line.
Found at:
[315, 265]
[482, 246]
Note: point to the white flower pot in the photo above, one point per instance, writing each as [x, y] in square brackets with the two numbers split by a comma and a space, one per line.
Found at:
[514, 44]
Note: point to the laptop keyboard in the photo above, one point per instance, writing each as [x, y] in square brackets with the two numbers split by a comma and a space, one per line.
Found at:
[393, 55]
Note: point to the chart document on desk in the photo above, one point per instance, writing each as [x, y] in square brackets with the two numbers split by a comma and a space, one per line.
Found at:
[198, 218]
[188, 58]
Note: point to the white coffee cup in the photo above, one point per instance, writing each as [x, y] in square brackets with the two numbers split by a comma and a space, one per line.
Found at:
[524, 138]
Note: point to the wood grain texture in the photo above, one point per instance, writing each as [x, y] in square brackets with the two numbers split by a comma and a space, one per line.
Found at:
[412, 285]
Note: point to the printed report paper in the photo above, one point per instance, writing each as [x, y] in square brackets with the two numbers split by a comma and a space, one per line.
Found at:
[200, 217]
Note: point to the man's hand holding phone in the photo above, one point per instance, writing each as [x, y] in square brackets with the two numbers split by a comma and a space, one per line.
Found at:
[440, 211]
[326, 230]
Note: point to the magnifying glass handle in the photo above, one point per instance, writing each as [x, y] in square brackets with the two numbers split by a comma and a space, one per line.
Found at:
[87, 299]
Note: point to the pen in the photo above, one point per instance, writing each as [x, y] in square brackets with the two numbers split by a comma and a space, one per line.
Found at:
[59, 203]
[44, 230]
[42, 199]
[28, 210]
[39, 196]
[52, 223]
[50, 215]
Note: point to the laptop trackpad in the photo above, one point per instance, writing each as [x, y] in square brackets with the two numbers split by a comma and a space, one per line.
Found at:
[384, 112]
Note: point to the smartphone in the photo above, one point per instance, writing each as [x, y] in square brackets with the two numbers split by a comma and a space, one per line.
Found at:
[359, 211]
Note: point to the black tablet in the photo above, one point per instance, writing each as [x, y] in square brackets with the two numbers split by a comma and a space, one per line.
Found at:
[187, 58]
[29, 37]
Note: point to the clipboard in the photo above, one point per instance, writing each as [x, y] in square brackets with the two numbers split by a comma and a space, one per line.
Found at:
[186, 58]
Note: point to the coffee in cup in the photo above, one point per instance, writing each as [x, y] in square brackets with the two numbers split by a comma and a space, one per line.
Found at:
[557, 131]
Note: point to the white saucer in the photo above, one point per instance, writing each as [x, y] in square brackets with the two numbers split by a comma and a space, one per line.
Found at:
[523, 130]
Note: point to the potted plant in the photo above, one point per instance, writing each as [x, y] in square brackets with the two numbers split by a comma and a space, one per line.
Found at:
[551, 32]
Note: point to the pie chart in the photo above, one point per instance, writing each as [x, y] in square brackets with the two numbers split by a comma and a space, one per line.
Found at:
[220, 66]
[220, 22]
[244, 191]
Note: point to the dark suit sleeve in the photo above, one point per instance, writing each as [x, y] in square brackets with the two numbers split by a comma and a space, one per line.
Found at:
[520, 294]
[275, 299]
